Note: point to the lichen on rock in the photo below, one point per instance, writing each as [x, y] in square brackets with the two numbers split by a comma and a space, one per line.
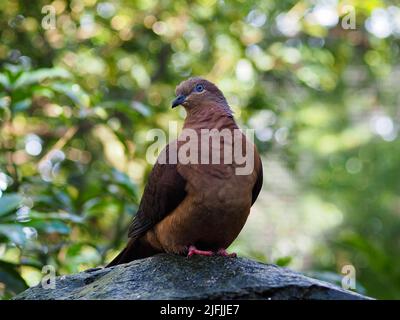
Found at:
[174, 277]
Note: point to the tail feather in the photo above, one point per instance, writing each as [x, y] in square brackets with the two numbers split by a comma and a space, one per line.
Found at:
[135, 249]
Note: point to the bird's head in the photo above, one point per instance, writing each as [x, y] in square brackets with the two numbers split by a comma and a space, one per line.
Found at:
[195, 93]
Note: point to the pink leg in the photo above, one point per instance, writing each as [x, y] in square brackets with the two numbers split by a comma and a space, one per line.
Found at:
[193, 251]
[222, 252]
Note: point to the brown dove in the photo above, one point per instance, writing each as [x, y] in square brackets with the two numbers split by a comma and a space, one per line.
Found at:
[196, 207]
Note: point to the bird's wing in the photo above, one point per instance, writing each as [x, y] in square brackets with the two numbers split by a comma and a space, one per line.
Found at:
[164, 191]
[259, 182]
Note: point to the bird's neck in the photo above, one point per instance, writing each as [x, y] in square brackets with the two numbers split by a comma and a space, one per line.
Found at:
[210, 117]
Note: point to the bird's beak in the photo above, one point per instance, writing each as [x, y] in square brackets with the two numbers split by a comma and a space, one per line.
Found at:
[179, 100]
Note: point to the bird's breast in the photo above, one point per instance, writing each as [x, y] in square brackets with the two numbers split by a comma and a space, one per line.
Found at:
[217, 187]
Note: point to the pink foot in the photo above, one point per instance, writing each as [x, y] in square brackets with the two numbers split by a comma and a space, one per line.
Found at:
[222, 252]
[193, 251]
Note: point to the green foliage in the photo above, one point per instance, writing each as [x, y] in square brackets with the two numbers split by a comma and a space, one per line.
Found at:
[54, 214]
[77, 101]
[283, 261]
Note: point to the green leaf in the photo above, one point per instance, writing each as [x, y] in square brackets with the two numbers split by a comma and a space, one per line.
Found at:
[124, 107]
[38, 76]
[4, 81]
[53, 226]
[13, 232]
[11, 278]
[13, 71]
[283, 261]
[9, 202]
[74, 92]
[141, 108]
[64, 216]
[5, 102]
[22, 105]
[94, 206]
[125, 182]
[121, 139]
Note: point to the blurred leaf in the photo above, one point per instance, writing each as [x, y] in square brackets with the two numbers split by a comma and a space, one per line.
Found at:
[22, 105]
[124, 107]
[125, 182]
[9, 202]
[141, 108]
[74, 92]
[283, 261]
[37, 76]
[63, 216]
[13, 232]
[10, 276]
[52, 226]
[4, 82]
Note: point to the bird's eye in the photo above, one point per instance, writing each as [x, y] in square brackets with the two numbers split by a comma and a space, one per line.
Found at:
[199, 88]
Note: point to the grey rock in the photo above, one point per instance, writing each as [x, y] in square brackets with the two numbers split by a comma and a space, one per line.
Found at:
[173, 277]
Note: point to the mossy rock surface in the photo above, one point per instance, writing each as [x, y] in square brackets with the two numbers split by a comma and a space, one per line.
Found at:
[173, 277]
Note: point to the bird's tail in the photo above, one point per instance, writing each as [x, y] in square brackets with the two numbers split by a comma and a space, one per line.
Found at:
[135, 249]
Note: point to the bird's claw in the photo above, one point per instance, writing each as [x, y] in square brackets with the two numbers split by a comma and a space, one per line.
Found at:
[222, 252]
[194, 251]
